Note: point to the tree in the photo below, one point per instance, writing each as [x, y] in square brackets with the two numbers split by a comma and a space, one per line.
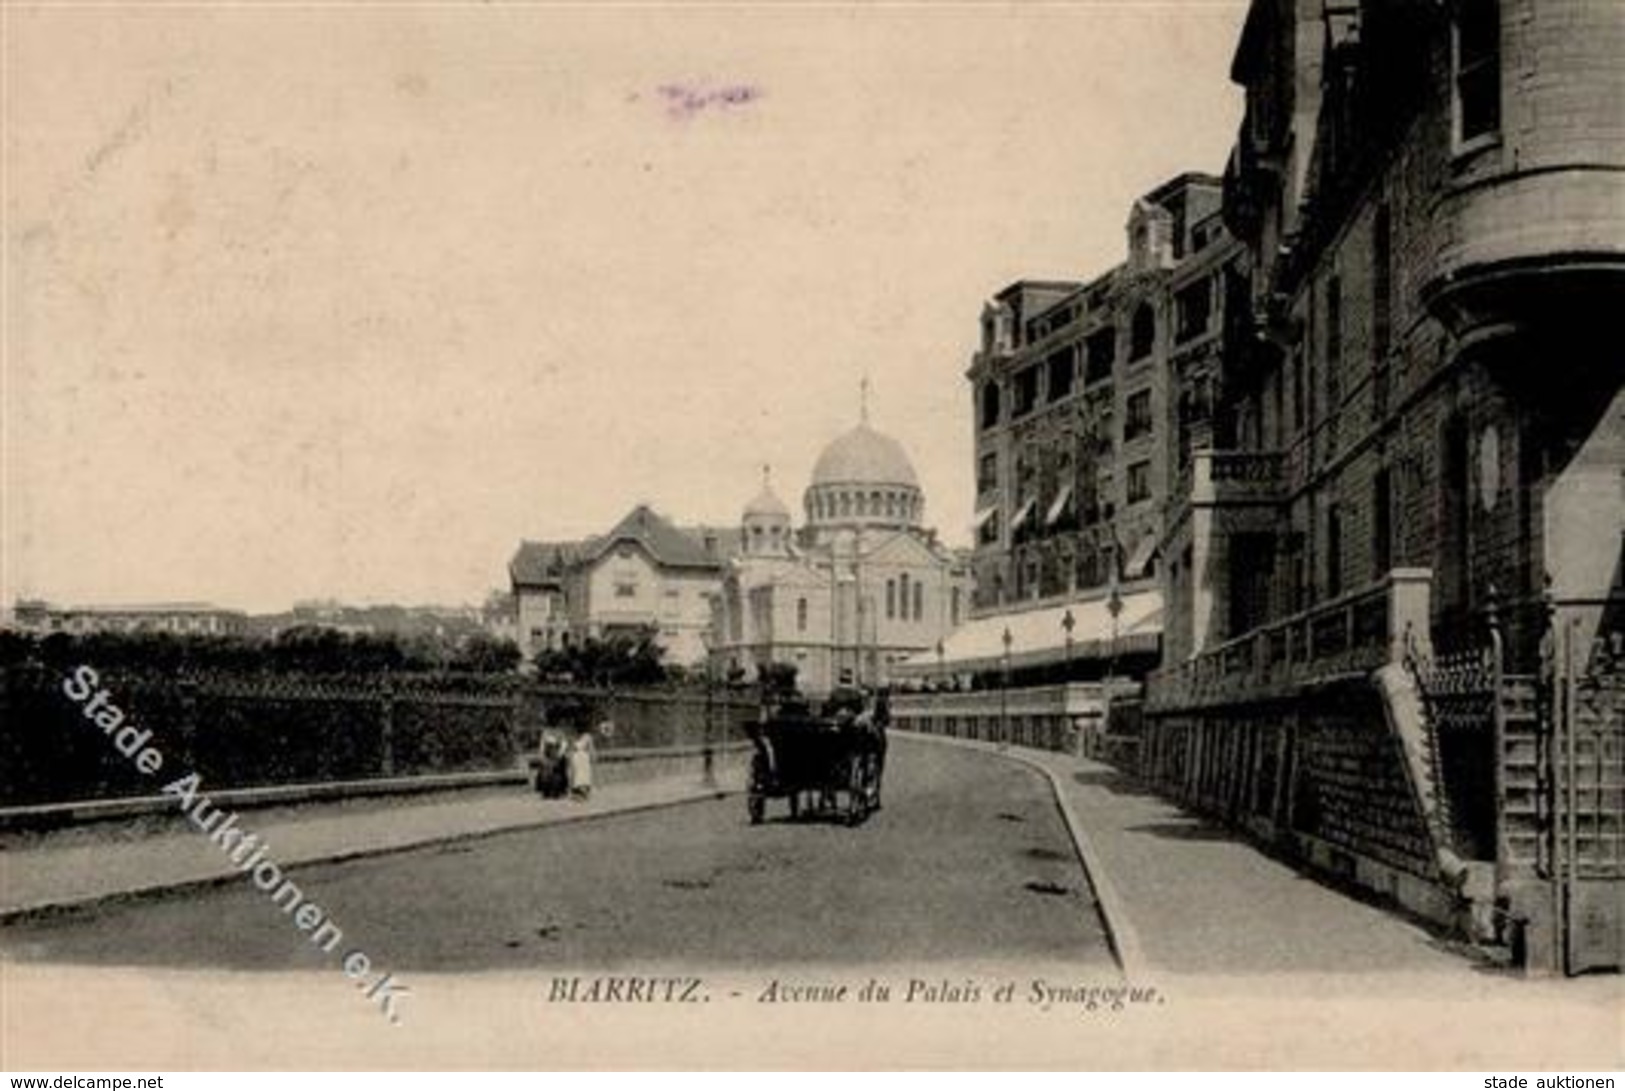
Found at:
[483, 654]
[623, 659]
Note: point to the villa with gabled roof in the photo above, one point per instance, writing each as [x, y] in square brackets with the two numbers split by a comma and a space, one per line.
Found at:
[644, 574]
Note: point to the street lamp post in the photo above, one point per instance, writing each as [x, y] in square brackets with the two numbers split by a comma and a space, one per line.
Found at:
[708, 767]
[857, 637]
[1004, 693]
[1114, 606]
[708, 772]
[1068, 622]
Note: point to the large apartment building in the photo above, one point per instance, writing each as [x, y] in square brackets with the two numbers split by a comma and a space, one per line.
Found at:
[1424, 459]
[1358, 411]
[1074, 401]
[1085, 394]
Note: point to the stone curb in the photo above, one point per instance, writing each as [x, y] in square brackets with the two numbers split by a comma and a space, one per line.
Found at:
[44, 910]
[1120, 932]
[79, 812]
[100, 810]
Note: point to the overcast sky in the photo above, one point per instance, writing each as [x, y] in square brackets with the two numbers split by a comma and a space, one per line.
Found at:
[344, 302]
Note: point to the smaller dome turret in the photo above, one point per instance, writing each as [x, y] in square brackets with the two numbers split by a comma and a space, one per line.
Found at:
[765, 524]
[767, 505]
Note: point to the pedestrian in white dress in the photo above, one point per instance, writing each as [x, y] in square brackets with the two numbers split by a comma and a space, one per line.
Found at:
[581, 755]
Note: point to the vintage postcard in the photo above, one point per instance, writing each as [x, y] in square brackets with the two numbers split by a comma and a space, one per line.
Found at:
[812, 536]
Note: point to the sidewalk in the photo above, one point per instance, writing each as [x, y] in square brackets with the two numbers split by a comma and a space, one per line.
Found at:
[1188, 896]
[80, 872]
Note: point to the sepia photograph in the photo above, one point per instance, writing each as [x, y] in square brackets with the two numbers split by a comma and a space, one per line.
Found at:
[698, 535]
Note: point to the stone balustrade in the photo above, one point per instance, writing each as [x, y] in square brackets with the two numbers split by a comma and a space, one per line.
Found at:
[1218, 477]
[1051, 717]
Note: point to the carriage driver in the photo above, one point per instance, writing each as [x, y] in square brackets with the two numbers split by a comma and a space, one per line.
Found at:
[759, 736]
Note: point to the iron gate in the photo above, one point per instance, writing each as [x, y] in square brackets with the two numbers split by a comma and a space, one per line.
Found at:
[1528, 769]
[1584, 776]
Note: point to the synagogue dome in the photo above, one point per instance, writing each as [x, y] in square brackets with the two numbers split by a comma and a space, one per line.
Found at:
[864, 456]
[863, 479]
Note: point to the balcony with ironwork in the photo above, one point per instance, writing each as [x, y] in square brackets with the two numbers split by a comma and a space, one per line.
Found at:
[1339, 640]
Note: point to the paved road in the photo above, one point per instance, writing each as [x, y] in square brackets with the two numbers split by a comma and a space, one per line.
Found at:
[968, 862]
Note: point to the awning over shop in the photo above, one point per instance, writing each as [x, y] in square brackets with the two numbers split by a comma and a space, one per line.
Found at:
[1143, 551]
[1058, 505]
[1022, 513]
[983, 516]
[1039, 637]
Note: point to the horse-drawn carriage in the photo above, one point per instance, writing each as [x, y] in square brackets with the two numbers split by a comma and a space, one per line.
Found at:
[829, 764]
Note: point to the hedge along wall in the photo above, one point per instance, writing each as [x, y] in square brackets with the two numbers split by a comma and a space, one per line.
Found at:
[288, 730]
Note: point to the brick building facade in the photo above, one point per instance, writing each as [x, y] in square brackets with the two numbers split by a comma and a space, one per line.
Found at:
[1427, 427]
[1414, 278]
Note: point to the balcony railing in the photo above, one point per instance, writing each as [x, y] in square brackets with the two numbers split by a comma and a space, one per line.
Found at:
[1349, 636]
[1220, 477]
[1072, 699]
[1050, 717]
[1252, 467]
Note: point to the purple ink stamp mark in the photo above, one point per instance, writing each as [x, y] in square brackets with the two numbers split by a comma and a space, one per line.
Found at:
[684, 101]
